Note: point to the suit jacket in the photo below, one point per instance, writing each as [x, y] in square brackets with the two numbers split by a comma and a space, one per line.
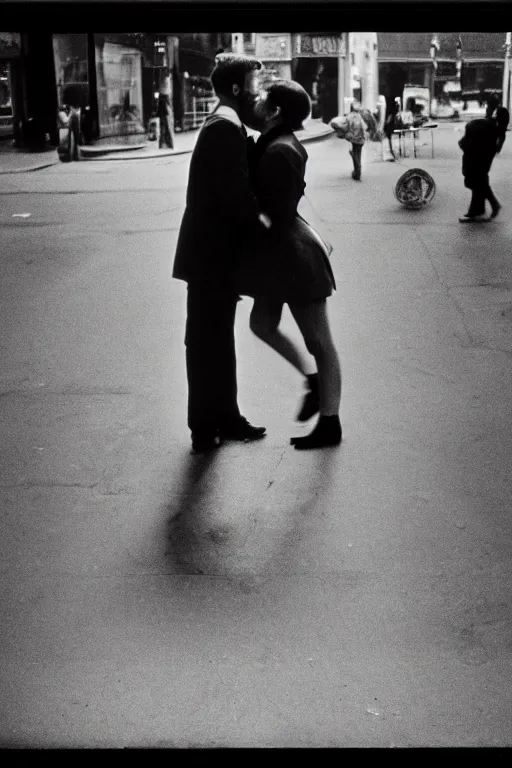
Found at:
[479, 145]
[221, 209]
[285, 262]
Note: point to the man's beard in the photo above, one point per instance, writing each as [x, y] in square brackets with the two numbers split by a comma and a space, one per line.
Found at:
[246, 104]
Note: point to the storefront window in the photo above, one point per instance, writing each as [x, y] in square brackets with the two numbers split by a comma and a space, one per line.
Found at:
[71, 69]
[119, 82]
[6, 113]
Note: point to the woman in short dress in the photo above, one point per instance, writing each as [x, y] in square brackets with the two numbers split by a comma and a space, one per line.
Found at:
[289, 263]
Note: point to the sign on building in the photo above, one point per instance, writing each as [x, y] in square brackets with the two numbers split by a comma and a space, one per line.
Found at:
[273, 47]
[321, 46]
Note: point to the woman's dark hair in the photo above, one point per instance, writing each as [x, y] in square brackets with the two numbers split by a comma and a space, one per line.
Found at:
[293, 101]
[231, 70]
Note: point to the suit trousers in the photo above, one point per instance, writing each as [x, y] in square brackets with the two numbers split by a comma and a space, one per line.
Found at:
[481, 191]
[211, 359]
[165, 131]
[356, 159]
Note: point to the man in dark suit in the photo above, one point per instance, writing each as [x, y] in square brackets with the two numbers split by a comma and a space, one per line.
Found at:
[221, 213]
[482, 140]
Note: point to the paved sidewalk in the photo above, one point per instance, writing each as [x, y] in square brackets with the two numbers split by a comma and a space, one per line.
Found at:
[14, 161]
[354, 597]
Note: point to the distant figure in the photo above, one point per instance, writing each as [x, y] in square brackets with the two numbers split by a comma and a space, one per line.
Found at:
[164, 112]
[492, 104]
[371, 124]
[482, 140]
[380, 115]
[392, 123]
[353, 129]
[502, 122]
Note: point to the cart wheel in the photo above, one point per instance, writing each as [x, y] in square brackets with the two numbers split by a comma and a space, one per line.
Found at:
[415, 188]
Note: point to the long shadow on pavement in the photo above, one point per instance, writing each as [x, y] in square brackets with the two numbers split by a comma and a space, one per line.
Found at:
[256, 532]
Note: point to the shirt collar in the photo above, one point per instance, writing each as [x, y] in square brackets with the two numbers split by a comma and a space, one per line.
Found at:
[265, 139]
[229, 113]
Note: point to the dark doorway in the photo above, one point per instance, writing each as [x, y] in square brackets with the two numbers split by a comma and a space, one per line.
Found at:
[392, 80]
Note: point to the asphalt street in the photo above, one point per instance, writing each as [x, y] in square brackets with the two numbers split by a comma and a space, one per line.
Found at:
[261, 597]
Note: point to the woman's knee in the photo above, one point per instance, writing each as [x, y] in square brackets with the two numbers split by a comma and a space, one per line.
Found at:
[316, 344]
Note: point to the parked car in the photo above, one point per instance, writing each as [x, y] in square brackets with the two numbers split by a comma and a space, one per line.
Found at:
[416, 99]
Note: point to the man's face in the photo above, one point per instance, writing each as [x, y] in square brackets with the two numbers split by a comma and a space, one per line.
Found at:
[247, 99]
[251, 83]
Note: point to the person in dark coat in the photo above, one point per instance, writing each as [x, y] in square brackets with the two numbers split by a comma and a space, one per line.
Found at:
[392, 123]
[164, 114]
[482, 139]
[502, 122]
[288, 263]
[221, 212]
[492, 103]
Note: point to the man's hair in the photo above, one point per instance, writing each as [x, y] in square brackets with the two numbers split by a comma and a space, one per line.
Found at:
[231, 70]
[293, 101]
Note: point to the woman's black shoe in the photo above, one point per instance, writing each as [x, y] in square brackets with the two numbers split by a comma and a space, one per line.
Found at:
[327, 432]
[242, 430]
[311, 401]
[205, 443]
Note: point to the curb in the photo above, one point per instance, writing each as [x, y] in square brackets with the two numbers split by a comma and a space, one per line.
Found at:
[176, 152]
[87, 153]
[148, 156]
[153, 156]
[29, 169]
[317, 137]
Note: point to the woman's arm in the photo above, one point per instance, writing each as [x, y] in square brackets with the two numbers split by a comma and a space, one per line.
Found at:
[281, 185]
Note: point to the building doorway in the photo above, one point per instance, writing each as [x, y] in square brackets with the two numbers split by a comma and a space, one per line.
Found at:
[392, 80]
[319, 77]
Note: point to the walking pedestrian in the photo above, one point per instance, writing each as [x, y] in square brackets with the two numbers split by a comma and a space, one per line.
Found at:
[482, 140]
[356, 135]
[502, 122]
[221, 212]
[371, 124]
[492, 104]
[353, 129]
[289, 263]
[393, 122]
[164, 113]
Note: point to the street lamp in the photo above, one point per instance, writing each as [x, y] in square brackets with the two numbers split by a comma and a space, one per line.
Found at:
[434, 49]
[458, 62]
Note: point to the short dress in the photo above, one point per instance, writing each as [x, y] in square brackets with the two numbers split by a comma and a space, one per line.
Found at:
[286, 263]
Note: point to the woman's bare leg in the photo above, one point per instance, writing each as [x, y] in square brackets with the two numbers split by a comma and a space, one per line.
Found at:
[313, 323]
[264, 323]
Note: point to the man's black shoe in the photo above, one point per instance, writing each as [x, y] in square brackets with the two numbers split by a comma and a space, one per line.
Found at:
[242, 430]
[205, 444]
